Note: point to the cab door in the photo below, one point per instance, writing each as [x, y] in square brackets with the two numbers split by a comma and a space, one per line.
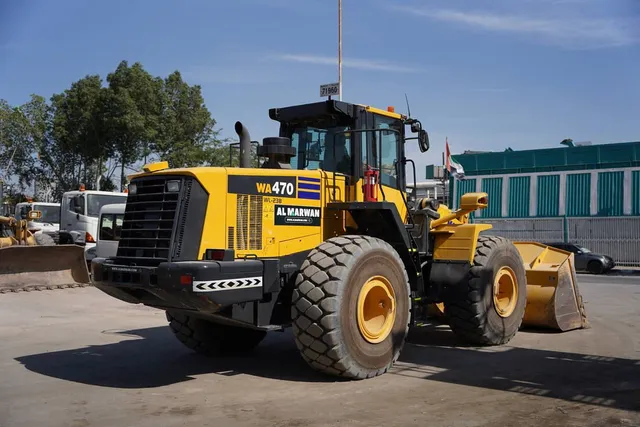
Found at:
[382, 147]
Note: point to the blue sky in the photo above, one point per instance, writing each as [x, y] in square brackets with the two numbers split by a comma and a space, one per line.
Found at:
[486, 74]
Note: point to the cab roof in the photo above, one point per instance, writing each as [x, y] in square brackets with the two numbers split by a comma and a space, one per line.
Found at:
[113, 208]
[329, 107]
[106, 193]
[38, 203]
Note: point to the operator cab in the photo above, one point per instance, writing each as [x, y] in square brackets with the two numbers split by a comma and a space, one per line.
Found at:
[346, 139]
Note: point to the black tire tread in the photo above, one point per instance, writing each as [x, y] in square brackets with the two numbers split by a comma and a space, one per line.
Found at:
[316, 306]
[467, 317]
[210, 338]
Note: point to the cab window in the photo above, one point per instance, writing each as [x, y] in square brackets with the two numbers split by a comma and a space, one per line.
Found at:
[389, 152]
[327, 149]
[24, 211]
[111, 226]
[76, 204]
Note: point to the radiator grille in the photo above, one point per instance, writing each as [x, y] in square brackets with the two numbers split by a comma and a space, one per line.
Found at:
[149, 221]
[182, 223]
[248, 223]
[230, 238]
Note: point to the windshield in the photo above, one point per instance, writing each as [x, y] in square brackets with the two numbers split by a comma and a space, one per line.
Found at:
[50, 214]
[317, 148]
[96, 201]
[583, 249]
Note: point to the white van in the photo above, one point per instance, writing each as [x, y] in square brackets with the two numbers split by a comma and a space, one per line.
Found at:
[110, 227]
[49, 223]
[79, 214]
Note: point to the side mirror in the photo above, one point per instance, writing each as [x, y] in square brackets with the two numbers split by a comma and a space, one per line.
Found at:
[423, 136]
[423, 140]
[78, 203]
[34, 215]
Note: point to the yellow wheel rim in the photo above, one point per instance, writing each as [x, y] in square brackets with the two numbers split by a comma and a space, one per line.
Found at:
[505, 292]
[376, 309]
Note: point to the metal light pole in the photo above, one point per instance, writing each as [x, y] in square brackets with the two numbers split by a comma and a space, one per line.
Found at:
[340, 47]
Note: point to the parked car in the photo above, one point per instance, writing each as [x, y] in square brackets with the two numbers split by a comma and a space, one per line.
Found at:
[585, 259]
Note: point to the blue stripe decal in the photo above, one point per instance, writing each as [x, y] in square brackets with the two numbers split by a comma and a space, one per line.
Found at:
[303, 185]
[308, 195]
[304, 178]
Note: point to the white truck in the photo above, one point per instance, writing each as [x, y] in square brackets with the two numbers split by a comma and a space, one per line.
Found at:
[111, 218]
[49, 223]
[79, 213]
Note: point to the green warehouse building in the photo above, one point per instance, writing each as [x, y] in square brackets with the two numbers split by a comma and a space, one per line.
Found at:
[588, 194]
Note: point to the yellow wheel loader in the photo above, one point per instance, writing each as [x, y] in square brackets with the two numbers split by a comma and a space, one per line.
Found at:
[34, 262]
[322, 238]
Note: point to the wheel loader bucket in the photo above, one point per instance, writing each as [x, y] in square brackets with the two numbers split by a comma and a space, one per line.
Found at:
[25, 268]
[553, 298]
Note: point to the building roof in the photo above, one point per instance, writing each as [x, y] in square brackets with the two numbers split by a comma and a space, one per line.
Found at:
[616, 155]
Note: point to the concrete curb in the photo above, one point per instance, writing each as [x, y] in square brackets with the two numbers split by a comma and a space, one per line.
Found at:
[616, 272]
[624, 272]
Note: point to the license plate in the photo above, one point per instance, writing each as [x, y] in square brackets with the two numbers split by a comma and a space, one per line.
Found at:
[125, 269]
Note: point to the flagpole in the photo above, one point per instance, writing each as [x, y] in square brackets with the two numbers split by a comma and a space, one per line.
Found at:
[340, 48]
[447, 173]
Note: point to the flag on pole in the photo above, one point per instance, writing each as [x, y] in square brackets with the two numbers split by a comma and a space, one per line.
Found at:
[453, 166]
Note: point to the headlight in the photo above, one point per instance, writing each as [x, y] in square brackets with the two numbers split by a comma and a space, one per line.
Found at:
[132, 189]
[173, 186]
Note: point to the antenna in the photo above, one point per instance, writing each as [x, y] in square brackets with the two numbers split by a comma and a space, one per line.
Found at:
[408, 108]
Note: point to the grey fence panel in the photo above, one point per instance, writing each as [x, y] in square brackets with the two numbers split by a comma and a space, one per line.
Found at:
[526, 229]
[618, 237]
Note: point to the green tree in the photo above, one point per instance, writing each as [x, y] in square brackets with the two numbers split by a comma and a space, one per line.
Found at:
[90, 130]
[132, 113]
[186, 134]
[22, 129]
[79, 129]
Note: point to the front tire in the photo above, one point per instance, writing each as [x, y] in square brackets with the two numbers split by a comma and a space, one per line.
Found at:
[490, 308]
[351, 307]
[210, 338]
[595, 267]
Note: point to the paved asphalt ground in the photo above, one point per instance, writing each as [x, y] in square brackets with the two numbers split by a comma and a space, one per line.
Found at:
[77, 358]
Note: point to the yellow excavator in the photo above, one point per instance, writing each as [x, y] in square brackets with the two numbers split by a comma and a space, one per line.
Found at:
[34, 262]
[322, 238]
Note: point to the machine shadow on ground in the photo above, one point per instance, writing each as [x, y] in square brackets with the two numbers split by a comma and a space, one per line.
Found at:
[156, 359]
[434, 354]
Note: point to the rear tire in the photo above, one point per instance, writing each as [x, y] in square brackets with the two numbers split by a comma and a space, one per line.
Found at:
[44, 239]
[475, 316]
[595, 267]
[213, 339]
[340, 330]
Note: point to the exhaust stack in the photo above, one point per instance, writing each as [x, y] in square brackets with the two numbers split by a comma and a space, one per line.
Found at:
[245, 145]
